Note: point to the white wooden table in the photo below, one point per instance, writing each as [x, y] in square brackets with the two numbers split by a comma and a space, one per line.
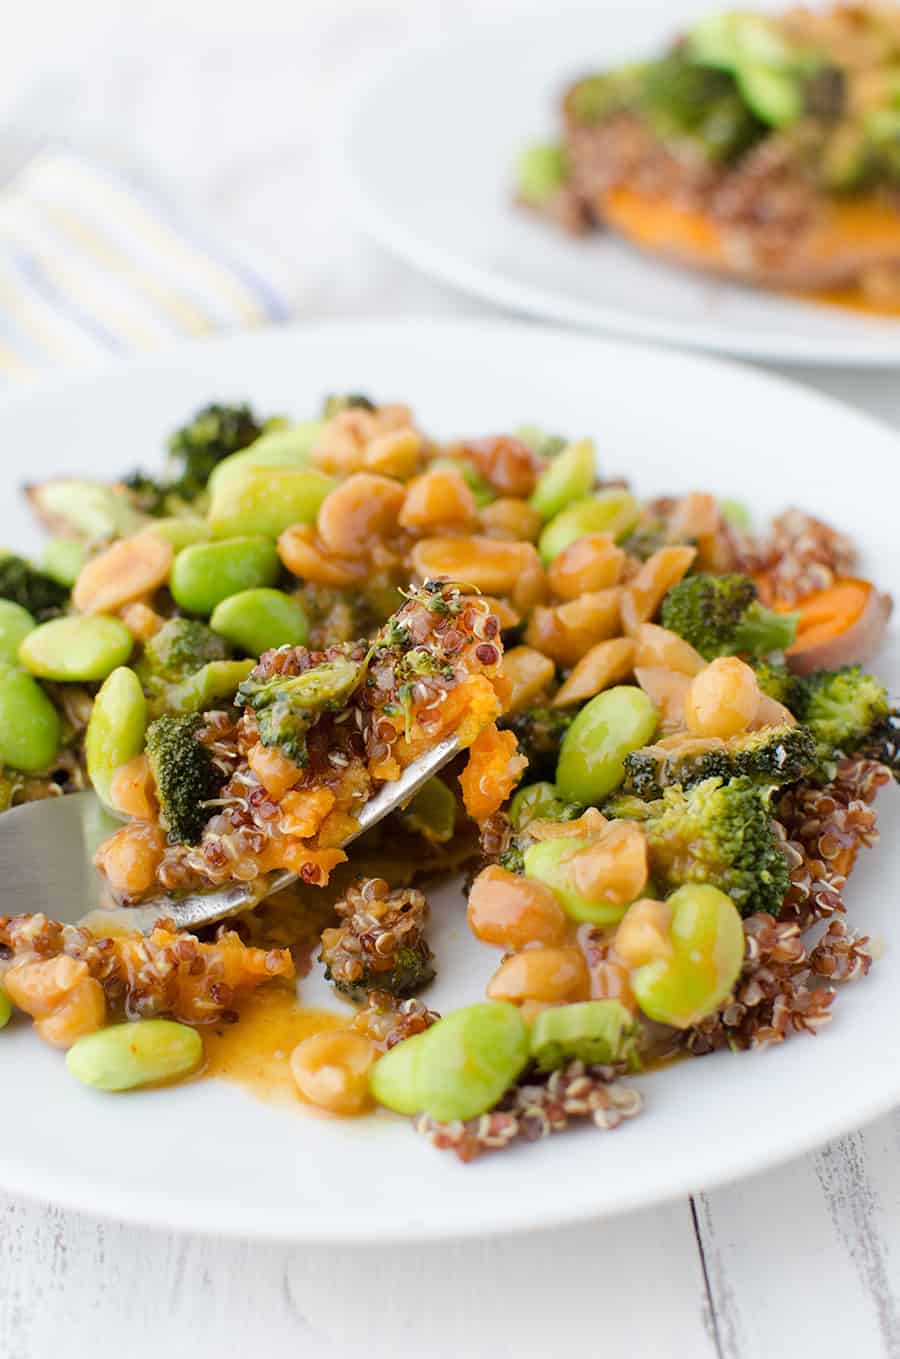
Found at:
[803, 1260]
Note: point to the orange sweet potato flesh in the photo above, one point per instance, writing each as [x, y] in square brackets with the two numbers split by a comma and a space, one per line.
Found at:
[849, 238]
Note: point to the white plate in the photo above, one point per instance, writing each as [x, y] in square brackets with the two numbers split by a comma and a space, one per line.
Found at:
[430, 148]
[207, 1157]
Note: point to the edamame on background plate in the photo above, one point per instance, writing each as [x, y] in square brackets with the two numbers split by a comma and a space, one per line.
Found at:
[611, 659]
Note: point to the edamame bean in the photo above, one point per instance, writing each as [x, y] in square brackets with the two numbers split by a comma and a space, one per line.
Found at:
[206, 573]
[62, 560]
[569, 477]
[213, 682]
[116, 729]
[432, 812]
[612, 511]
[30, 726]
[593, 749]
[6, 1009]
[536, 802]
[15, 625]
[469, 1058]
[91, 509]
[596, 1032]
[686, 953]
[127, 1056]
[180, 532]
[393, 1080]
[254, 620]
[267, 500]
[549, 861]
[282, 448]
[81, 648]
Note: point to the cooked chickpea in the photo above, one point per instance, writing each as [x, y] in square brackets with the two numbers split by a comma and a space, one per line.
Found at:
[567, 632]
[129, 859]
[507, 463]
[643, 595]
[605, 664]
[439, 499]
[529, 674]
[592, 562]
[131, 789]
[555, 975]
[489, 564]
[510, 911]
[658, 646]
[511, 518]
[362, 508]
[331, 1070]
[695, 516]
[82, 1012]
[396, 453]
[130, 569]
[644, 935]
[723, 699]
[614, 867]
[304, 556]
[142, 621]
[667, 690]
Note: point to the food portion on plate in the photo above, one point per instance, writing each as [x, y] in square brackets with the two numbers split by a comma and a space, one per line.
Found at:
[669, 748]
[764, 148]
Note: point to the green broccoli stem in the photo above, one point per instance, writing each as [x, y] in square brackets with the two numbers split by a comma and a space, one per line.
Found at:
[762, 631]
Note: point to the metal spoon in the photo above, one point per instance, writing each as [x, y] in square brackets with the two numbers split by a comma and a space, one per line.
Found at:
[47, 848]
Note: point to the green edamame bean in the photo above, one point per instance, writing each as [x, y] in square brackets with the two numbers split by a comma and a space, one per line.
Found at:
[90, 509]
[254, 620]
[393, 1080]
[15, 625]
[213, 682]
[548, 862]
[80, 648]
[536, 802]
[596, 1032]
[62, 560]
[116, 729]
[282, 448]
[541, 172]
[206, 573]
[126, 1056]
[266, 500]
[569, 477]
[6, 1009]
[612, 511]
[707, 952]
[469, 1058]
[459, 1067]
[593, 749]
[30, 726]
[180, 531]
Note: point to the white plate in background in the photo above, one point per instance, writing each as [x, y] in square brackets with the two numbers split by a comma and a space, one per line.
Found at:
[430, 147]
[206, 1156]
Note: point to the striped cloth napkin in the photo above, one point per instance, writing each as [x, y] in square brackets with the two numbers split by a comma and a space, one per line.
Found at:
[94, 263]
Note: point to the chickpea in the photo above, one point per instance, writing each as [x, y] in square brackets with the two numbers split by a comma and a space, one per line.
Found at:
[656, 646]
[567, 631]
[643, 595]
[489, 564]
[331, 1070]
[590, 563]
[695, 516]
[141, 620]
[529, 674]
[440, 498]
[129, 859]
[555, 975]
[723, 699]
[507, 463]
[130, 569]
[643, 935]
[511, 518]
[605, 664]
[132, 791]
[82, 1012]
[510, 911]
[303, 555]
[396, 453]
[667, 691]
[363, 507]
[614, 868]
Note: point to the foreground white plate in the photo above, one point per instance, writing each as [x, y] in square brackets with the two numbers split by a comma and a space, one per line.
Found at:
[207, 1157]
[430, 149]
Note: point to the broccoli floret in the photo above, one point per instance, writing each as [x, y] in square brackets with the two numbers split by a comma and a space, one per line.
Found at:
[181, 647]
[539, 732]
[147, 495]
[286, 706]
[214, 433]
[40, 594]
[716, 833]
[721, 616]
[849, 713]
[186, 776]
[682, 100]
[775, 680]
[770, 758]
[646, 539]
